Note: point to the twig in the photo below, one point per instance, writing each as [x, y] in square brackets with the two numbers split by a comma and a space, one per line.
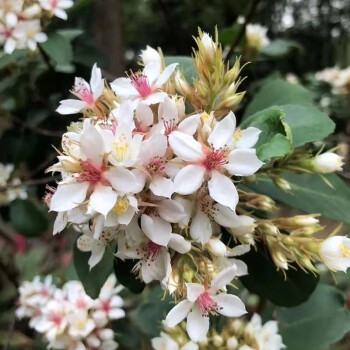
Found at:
[40, 131]
[28, 183]
[241, 33]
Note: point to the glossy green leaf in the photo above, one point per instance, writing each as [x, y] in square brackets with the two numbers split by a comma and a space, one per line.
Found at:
[125, 276]
[7, 59]
[278, 92]
[264, 280]
[186, 66]
[311, 194]
[27, 218]
[93, 279]
[280, 48]
[314, 325]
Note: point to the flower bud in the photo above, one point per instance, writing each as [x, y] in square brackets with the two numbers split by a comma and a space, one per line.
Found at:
[232, 343]
[181, 84]
[280, 260]
[150, 55]
[328, 163]
[335, 253]
[269, 228]
[216, 247]
[209, 46]
[217, 340]
[282, 184]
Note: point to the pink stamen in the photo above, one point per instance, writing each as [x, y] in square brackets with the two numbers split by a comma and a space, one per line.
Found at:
[170, 126]
[140, 83]
[151, 251]
[156, 166]
[56, 319]
[81, 304]
[54, 4]
[80, 90]
[7, 33]
[106, 307]
[214, 160]
[45, 292]
[207, 305]
[90, 173]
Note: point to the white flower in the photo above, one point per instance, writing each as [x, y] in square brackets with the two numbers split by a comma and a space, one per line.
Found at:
[256, 36]
[212, 162]
[57, 7]
[335, 253]
[201, 303]
[265, 335]
[328, 162]
[150, 55]
[87, 93]
[28, 34]
[80, 324]
[5, 173]
[328, 75]
[75, 294]
[144, 87]
[165, 342]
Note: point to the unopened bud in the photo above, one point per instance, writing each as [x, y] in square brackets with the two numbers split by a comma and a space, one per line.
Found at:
[298, 221]
[282, 184]
[181, 84]
[218, 341]
[232, 343]
[307, 231]
[150, 55]
[269, 229]
[328, 163]
[216, 247]
[180, 104]
[280, 260]
[209, 46]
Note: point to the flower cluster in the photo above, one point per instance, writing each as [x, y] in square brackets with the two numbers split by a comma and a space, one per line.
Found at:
[338, 79]
[153, 167]
[236, 335]
[8, 185]
[67, 317]
[21, 22]
[256, 36]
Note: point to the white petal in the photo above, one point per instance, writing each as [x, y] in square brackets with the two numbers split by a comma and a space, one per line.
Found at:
[161, 186]
[223, 132]
[194, 290]
[201, 229]
[60, 222]
[103, 199]
[249, 137]
[171, 210]
[156, 229]
[154, 98]
[96, 82]
[116, 314]
[122, 87]
[168, 111]
[121, 179]
[10, 46]
[190, 346]
[242, 268]
[222, 190]
[140, 180]
[97, 252]
[185, 147]
[223, 278]
[189, 179]
[69, 196]
[230, 305]
[144, 115]
[166, 74]
[155, 146]
[190, 124]
[70, 107]
[61, 14]
[179, 244]
[40, 37]
[243, 162]
[178, 313]
[197, 325]
[224, 216]
[152, 72]
[92, 145]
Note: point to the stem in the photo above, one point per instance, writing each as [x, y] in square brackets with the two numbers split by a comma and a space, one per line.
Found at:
[241, 33]
[28, 183]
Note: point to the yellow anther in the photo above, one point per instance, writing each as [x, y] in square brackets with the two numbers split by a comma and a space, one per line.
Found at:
[81, 324]
[121, 206]
[205, 116]
[121, 148]
[345, 252]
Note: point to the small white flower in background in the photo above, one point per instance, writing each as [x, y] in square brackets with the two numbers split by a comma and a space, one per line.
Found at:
[266, 335]
[150, 55]
[165, 342]
[67, 317]
[202, 302]
[5, 173]
[87, 93]
[29, 34]
[328, 162]
[335, 253]
[57, 7]
[256, 36]
[328, 75]
[144, 87]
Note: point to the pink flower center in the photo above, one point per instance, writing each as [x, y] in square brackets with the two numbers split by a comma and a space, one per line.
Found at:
[156, 166]
[81, 304]
[90, 173]
[106, 306]
[80, 90]
[207, 305]
[140, 83]
[151, 251]
[7, 33]
[56, 319]
[170, 126]
[54, 4]
[44, 292]
[214, 160]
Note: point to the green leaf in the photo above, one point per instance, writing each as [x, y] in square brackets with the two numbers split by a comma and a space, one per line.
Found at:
[228, 35]
[150, 314]
[275, 137]
[27, 218]
[307, 123]
[280, 48]
[264, 280]
[93, 279]
[70, 34]
[59, 49]
[16, 55]
[186, 66]
[311, 194]
[278, 92]
[125, 276]
[316, 324]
